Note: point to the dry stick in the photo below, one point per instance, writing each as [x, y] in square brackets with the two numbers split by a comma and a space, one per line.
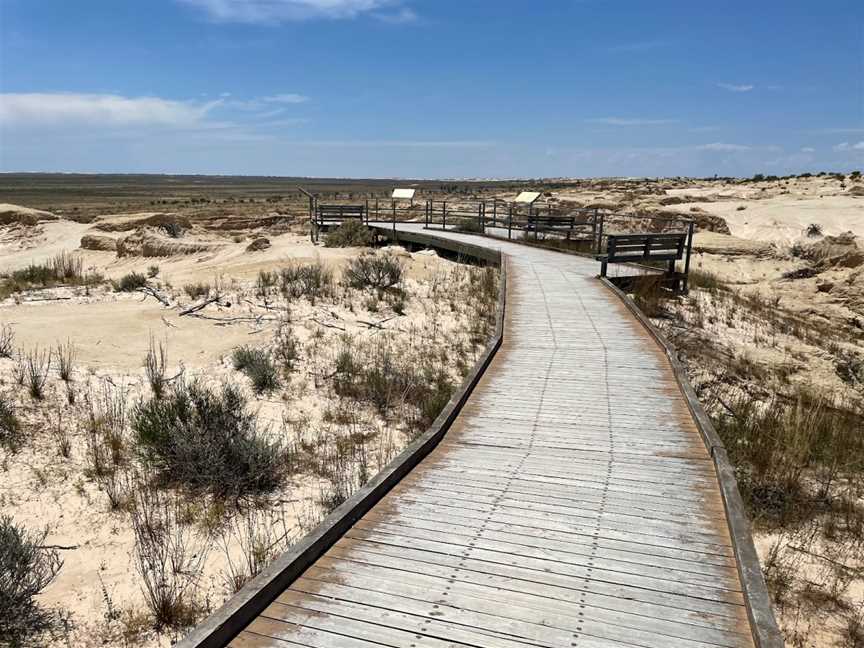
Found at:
[854, 570]
[333, 326]
[147, 290]
[167, 323]
[198, 307]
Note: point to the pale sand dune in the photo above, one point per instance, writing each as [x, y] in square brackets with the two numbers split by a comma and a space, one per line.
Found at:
[783, 219]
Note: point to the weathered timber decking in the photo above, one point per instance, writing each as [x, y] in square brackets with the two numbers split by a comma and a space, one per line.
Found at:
[572, 503]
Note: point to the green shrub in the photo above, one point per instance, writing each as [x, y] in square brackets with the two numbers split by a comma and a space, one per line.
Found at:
[350, 233]
[372, 271]
[131, 282]
[312, 281]
[26, 568]
[258, 367]
[206, 439]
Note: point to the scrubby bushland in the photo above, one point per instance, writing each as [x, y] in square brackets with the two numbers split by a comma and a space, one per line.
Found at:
[350, 233]
[785, 447]
[26, 568]
[258, 367]
[312, 281]
[207, 439]
[374, 271]
[131, 282]
[384, 376]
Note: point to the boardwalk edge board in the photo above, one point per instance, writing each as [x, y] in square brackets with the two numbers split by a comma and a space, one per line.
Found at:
[766, 633]
[218, 629]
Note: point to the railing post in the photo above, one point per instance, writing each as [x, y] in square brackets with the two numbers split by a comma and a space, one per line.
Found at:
[687, 259]
[510, 222]
[444, 216]
[428, 209]
[600, 235]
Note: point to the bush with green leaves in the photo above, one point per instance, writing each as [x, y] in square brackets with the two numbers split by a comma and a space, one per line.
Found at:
[468, 225]
[207, 440]
[374, 271]
[258, 367]
[26, 568]
[350, 233]
[131, 282]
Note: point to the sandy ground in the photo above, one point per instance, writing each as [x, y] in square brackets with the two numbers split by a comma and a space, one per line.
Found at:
[98, 589]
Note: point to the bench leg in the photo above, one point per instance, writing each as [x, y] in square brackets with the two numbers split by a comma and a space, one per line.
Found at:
[602, 268]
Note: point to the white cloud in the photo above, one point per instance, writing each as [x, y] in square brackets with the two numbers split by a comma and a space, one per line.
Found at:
[100, 109]
[732, 87]
[622, 121]
[723, 147]
[846, 146]
[275, 11]
[286, 99]
[403, 16]
[808, 149]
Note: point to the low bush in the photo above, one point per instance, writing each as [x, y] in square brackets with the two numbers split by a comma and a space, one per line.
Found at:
[155, 366]
[197, 290]
[374, 271]
[350, 233]
[468, 225]
[312, 281]
[131, 282]
[7, 341]
[258, 367]
[10, 428]
[26, 568]
[206, 439]
[36, 366]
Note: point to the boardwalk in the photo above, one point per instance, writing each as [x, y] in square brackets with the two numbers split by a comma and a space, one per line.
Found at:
[572, 504]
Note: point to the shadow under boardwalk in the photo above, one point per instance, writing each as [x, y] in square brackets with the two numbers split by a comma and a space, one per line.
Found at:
[573, 503]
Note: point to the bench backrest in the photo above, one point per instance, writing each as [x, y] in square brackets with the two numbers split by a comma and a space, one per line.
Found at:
[339, 212]
[662, 247]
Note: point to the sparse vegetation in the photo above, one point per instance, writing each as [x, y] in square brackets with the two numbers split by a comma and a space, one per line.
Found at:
[7, 341]
[62, 269]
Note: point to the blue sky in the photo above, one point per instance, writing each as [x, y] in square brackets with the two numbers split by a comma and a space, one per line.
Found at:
[431, 88]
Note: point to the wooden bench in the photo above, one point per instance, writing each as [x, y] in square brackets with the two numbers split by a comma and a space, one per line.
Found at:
[625, 248]
[548, 223]
[336, 214]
